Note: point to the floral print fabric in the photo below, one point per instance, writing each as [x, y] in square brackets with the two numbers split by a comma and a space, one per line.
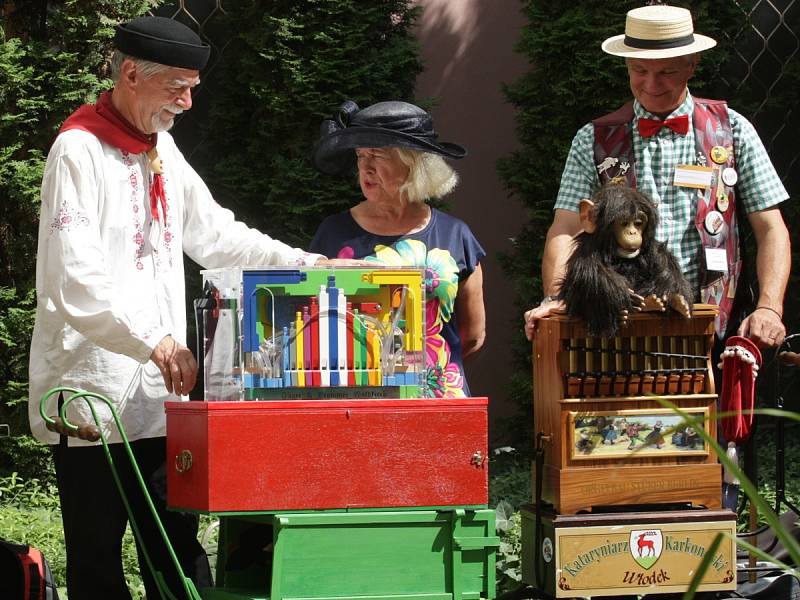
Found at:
[449, 252]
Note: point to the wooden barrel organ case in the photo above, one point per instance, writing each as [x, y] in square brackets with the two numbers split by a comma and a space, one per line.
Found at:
[629, 501]
[607, 439]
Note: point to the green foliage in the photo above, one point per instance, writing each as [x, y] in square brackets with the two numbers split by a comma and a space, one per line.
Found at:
[24, 455]
[509, 488]
[285, 70]
[16, 324]
[509, 560]
[750, 489]
[767, 467]
[30, 514]
[510, 478]
[209, 539]
[18, 452]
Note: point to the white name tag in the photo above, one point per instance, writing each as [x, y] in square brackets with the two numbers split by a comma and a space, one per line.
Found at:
[693, 176]
[717, 260]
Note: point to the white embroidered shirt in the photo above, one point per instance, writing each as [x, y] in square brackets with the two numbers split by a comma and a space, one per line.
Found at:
[109, 288]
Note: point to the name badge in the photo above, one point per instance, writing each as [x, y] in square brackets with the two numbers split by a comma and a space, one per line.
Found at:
[693, 176]
[716, 260]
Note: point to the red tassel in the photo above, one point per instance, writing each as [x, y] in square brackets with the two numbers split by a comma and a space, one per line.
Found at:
[740, 362]
[157, 196]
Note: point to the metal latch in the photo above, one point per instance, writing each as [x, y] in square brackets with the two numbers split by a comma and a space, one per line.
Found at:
[183, 461]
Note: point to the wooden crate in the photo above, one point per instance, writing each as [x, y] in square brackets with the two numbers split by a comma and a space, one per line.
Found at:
[626, 553]
[326, 454]
[583, 386]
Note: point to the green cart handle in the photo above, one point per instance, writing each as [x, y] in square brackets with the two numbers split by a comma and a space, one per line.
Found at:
[59, 424]
[86, 431]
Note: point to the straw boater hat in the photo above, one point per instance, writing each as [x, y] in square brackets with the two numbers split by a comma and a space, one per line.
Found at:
[392, 124]
[658, 31]
[163, 41]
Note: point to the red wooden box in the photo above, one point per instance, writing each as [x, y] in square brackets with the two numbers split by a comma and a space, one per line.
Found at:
[326, 454]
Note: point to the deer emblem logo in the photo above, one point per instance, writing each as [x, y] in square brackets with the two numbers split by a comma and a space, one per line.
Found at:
[645, 546]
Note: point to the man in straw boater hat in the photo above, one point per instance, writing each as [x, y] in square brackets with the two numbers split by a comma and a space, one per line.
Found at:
[120, 206]
[700, 162]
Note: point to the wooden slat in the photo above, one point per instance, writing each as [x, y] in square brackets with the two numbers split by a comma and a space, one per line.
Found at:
[576, 489]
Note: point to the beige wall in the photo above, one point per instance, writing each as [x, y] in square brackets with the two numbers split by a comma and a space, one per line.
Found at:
[467, 49]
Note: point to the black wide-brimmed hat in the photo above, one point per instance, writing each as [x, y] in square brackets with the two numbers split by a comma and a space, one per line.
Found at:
[163, 41]
[391, 124]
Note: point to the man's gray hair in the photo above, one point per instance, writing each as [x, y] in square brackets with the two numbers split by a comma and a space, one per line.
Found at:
[145, 67]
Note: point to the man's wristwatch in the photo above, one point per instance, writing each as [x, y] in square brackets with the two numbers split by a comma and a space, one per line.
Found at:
[547, 299]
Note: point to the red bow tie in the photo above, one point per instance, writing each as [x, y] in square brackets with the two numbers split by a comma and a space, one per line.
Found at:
[648, 127]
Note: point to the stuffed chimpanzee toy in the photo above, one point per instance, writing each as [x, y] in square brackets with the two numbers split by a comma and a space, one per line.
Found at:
[617, 266]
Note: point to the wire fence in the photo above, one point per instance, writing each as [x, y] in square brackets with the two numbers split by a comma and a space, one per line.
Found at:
[763, 66]
[207, 18]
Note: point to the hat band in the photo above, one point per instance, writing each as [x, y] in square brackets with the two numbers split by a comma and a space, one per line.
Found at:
[633, 42]
[418, 127]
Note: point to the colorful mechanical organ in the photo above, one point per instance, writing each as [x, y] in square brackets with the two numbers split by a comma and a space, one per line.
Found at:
[332, 472]
[298, 333]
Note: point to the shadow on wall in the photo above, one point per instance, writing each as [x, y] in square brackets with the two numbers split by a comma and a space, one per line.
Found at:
[467, 50]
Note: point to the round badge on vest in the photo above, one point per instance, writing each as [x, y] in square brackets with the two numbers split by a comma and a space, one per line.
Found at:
[722, 203]
[719, 155]
[714, 222]
[729, 176]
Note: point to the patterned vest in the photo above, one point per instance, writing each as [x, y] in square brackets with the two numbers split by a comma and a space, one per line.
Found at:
[615, 161]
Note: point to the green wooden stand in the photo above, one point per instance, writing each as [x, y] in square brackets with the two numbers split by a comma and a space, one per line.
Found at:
[369, 555]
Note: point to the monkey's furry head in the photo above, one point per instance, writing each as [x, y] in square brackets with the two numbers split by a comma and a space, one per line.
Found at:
[615, 203]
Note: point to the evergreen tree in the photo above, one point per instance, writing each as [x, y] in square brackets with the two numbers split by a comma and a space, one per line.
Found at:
[289, 66]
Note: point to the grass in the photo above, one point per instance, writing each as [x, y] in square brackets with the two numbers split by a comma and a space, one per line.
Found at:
[30, 514]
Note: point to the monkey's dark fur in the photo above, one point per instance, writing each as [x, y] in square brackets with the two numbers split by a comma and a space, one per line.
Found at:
[597, 280]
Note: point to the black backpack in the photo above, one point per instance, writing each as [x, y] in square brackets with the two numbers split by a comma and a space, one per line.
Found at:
[25, 573]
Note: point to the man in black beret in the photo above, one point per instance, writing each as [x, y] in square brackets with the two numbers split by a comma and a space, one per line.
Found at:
[120, 207]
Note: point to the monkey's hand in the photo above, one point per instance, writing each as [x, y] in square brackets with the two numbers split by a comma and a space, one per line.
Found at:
[679, 303]
[653, 303]
[637, 301]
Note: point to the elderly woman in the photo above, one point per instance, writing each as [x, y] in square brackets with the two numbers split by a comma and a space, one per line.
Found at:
[400, 165]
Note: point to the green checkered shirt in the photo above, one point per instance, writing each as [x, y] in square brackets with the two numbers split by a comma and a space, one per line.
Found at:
[758, 187]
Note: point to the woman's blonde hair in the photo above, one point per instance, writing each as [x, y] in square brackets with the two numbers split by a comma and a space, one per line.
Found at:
[429, 175]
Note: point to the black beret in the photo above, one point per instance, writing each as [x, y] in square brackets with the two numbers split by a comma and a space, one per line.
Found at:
[163, 41]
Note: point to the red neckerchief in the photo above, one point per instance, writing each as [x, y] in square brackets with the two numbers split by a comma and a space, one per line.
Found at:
[105, 122]
[648, 127]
